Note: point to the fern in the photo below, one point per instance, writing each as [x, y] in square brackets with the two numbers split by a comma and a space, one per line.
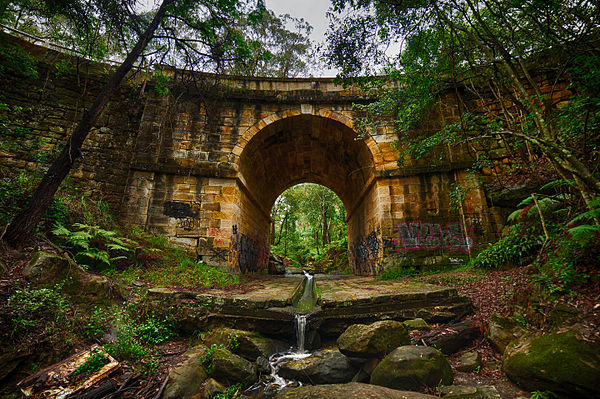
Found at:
[558, 183]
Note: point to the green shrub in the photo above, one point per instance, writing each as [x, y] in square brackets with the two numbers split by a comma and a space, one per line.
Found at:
[32, 309]
[155, 331]
[92, 364]
[515, 248]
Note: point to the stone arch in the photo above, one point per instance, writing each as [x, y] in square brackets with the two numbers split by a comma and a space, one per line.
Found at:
[376, 153]
[295, 147]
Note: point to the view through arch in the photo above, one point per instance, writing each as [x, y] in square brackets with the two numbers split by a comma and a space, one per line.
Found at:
[309, 229]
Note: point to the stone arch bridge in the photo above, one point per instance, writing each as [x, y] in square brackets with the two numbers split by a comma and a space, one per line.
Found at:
[206, 170]
[210, 177]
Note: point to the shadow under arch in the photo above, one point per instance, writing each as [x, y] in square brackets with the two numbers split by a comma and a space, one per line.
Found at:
[307, 148]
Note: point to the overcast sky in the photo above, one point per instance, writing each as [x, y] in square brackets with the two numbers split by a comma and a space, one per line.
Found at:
[313, 12]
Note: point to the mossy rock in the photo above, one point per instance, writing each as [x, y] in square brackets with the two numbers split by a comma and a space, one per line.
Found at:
[251, 345]
[502, 331]
[413, 367]
[187, 378]
[373, 340]
[560, 362]
[47, 270]
[230, 369]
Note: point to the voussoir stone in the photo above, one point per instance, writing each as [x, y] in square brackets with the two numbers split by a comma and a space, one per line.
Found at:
[372, 340]
[412, 368]
[350, 390]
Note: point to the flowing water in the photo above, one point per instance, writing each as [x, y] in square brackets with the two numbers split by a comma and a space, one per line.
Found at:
[270, 384]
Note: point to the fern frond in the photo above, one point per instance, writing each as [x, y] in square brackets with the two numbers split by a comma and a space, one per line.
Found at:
[514, 215]
[60, 230]
[583, 232]
[525, 202]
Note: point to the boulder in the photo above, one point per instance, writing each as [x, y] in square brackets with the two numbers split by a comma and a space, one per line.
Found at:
[469, 361]
[373, 340]
[416, 324]
[412, 368]
[212, 388]
[187, 378]
[350, 390]
[561, 362]
[250, 345]
[469, 392]
[501, 331]
[230, 369]
[327, 366]
[47, 270]
[454, 337]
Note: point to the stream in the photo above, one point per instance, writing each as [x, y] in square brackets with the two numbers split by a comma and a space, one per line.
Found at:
[269, 384]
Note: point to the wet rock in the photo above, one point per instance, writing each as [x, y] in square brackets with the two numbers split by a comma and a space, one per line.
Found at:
[276, 265]
[373, 340]
[416, 324]
[350, 390]
[328, 366]
[230, 369]
[502, 331]
[561, 362]
[250, 345]
[186, 379]
[412, 368]
[469, 361]
[454, 337]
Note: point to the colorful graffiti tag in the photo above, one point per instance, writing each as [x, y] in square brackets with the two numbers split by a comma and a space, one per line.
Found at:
[431, 236]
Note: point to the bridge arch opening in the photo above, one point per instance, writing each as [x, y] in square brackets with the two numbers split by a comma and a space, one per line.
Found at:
[309, 228]
[311, 149]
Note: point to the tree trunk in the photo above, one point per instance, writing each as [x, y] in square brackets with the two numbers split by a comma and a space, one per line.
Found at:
[23, 225]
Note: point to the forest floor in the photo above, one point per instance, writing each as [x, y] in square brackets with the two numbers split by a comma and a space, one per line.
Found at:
[507, 292]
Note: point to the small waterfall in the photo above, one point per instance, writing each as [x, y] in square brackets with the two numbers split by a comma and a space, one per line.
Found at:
[300, 331]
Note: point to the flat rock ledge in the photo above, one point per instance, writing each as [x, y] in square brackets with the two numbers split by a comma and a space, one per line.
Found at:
[350, 390]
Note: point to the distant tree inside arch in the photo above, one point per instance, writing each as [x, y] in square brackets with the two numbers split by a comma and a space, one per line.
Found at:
[308, 220]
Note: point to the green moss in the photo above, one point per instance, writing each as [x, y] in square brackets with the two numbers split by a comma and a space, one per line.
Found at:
[559, 362]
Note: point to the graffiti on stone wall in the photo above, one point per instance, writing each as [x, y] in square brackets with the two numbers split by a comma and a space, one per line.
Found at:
[186, 213]
[365, 254]
[246, 254]
[431, 236]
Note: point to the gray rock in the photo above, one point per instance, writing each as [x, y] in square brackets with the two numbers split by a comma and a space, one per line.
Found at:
[328, 366]
[47, 270]
[186, 379]
[350, 390]
[469, 392]
[230, 369]
[469, 361]
[561, 362]
[454, 337]
[373, 340]
[412, 368]
[416, 324]
[502, 331]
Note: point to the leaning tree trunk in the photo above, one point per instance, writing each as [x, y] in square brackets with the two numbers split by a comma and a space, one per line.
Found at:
[23, 225]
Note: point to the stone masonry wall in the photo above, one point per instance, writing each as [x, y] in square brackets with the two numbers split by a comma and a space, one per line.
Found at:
[204, 165]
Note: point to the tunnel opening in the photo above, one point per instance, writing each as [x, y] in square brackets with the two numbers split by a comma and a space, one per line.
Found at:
[309, 229]
[311, 149]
